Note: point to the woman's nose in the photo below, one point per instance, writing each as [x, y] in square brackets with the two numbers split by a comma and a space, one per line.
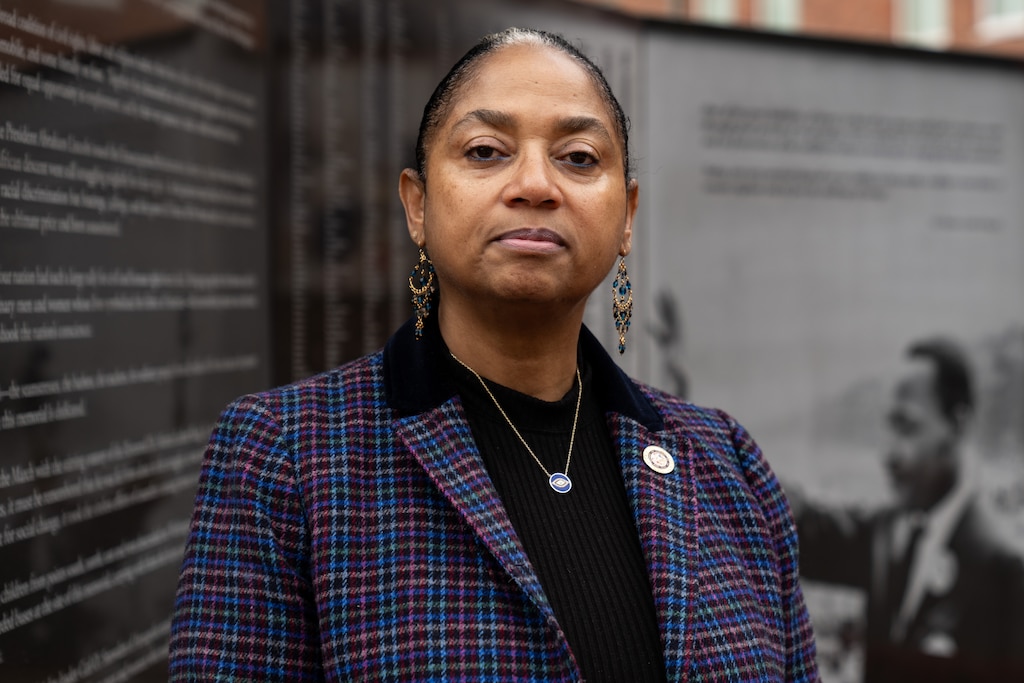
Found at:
[533, 181]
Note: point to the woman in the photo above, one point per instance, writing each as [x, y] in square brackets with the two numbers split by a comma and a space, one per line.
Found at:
[489, 497]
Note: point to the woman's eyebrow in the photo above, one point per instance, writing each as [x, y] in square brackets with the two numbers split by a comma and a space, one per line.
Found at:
[583, 124]
[506, 121]
[490, 117]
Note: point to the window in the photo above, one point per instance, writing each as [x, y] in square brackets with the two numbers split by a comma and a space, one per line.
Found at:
[924, 22]
[716, 11]
[994, 8]
[779, 15]
[999, 19]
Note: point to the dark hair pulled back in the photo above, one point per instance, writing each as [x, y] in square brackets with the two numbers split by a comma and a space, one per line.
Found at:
[440, 102]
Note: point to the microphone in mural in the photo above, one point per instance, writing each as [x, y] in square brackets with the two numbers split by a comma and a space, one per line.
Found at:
[667, 332]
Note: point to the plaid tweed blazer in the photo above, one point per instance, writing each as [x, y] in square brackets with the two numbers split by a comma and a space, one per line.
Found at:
[345, 529]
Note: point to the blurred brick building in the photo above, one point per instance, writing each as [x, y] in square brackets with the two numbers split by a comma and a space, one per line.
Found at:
[974, 26]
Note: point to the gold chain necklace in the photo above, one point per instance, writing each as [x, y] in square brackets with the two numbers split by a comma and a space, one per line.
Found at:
[559, 481]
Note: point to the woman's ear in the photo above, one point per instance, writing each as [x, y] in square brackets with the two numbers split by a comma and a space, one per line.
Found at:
[632, 202]
[413, 193]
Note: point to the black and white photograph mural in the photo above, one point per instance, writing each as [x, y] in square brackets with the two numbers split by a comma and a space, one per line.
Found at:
[843, 237]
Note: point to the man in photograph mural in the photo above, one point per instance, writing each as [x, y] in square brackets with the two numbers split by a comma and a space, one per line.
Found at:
[945, 594]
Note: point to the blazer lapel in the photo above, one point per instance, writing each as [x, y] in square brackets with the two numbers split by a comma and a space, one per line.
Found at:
[665, 512]
[442, 442]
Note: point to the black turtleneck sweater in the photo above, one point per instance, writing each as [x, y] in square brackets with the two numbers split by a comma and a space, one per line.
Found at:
[583, 544]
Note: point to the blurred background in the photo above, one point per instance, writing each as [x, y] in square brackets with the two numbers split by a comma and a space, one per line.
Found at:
[198, 200]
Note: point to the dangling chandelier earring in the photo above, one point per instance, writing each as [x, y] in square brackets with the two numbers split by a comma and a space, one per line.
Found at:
[421, 284]
[622, 303]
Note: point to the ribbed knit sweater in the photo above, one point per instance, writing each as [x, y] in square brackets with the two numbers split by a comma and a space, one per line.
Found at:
[583, 544]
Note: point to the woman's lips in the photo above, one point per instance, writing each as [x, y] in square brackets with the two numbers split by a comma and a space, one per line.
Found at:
[539, 240]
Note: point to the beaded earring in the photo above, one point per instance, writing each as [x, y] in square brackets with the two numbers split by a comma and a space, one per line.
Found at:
[622, 303]
[421, 284]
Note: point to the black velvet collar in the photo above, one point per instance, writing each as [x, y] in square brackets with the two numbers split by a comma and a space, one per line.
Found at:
[416, 375]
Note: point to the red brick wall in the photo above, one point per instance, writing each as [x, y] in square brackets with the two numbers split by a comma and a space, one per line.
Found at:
[870, 20]
[644, 8]
[864, 19]
[746, 12]
[962, 20]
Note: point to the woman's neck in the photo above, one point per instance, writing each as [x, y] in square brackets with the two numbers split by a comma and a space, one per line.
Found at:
[533, 354]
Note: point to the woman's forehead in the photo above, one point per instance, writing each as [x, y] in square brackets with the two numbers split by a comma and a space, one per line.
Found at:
[515, 72]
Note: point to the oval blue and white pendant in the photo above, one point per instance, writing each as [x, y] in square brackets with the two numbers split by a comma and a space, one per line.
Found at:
[561, 483]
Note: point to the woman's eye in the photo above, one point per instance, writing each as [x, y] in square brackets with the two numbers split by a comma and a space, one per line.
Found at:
[580, 158]
[483, 153]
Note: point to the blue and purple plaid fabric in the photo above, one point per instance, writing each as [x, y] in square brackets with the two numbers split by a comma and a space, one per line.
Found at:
[335, 538]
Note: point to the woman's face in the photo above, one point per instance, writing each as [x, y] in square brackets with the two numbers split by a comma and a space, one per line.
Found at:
[524, 199]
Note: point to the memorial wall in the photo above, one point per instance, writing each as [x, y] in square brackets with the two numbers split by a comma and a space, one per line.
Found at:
[198, 200]
[133, 271]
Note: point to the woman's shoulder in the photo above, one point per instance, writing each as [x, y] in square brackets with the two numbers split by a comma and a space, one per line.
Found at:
[724, 461]
[717, 438]
[680, 413]
[357, 382]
